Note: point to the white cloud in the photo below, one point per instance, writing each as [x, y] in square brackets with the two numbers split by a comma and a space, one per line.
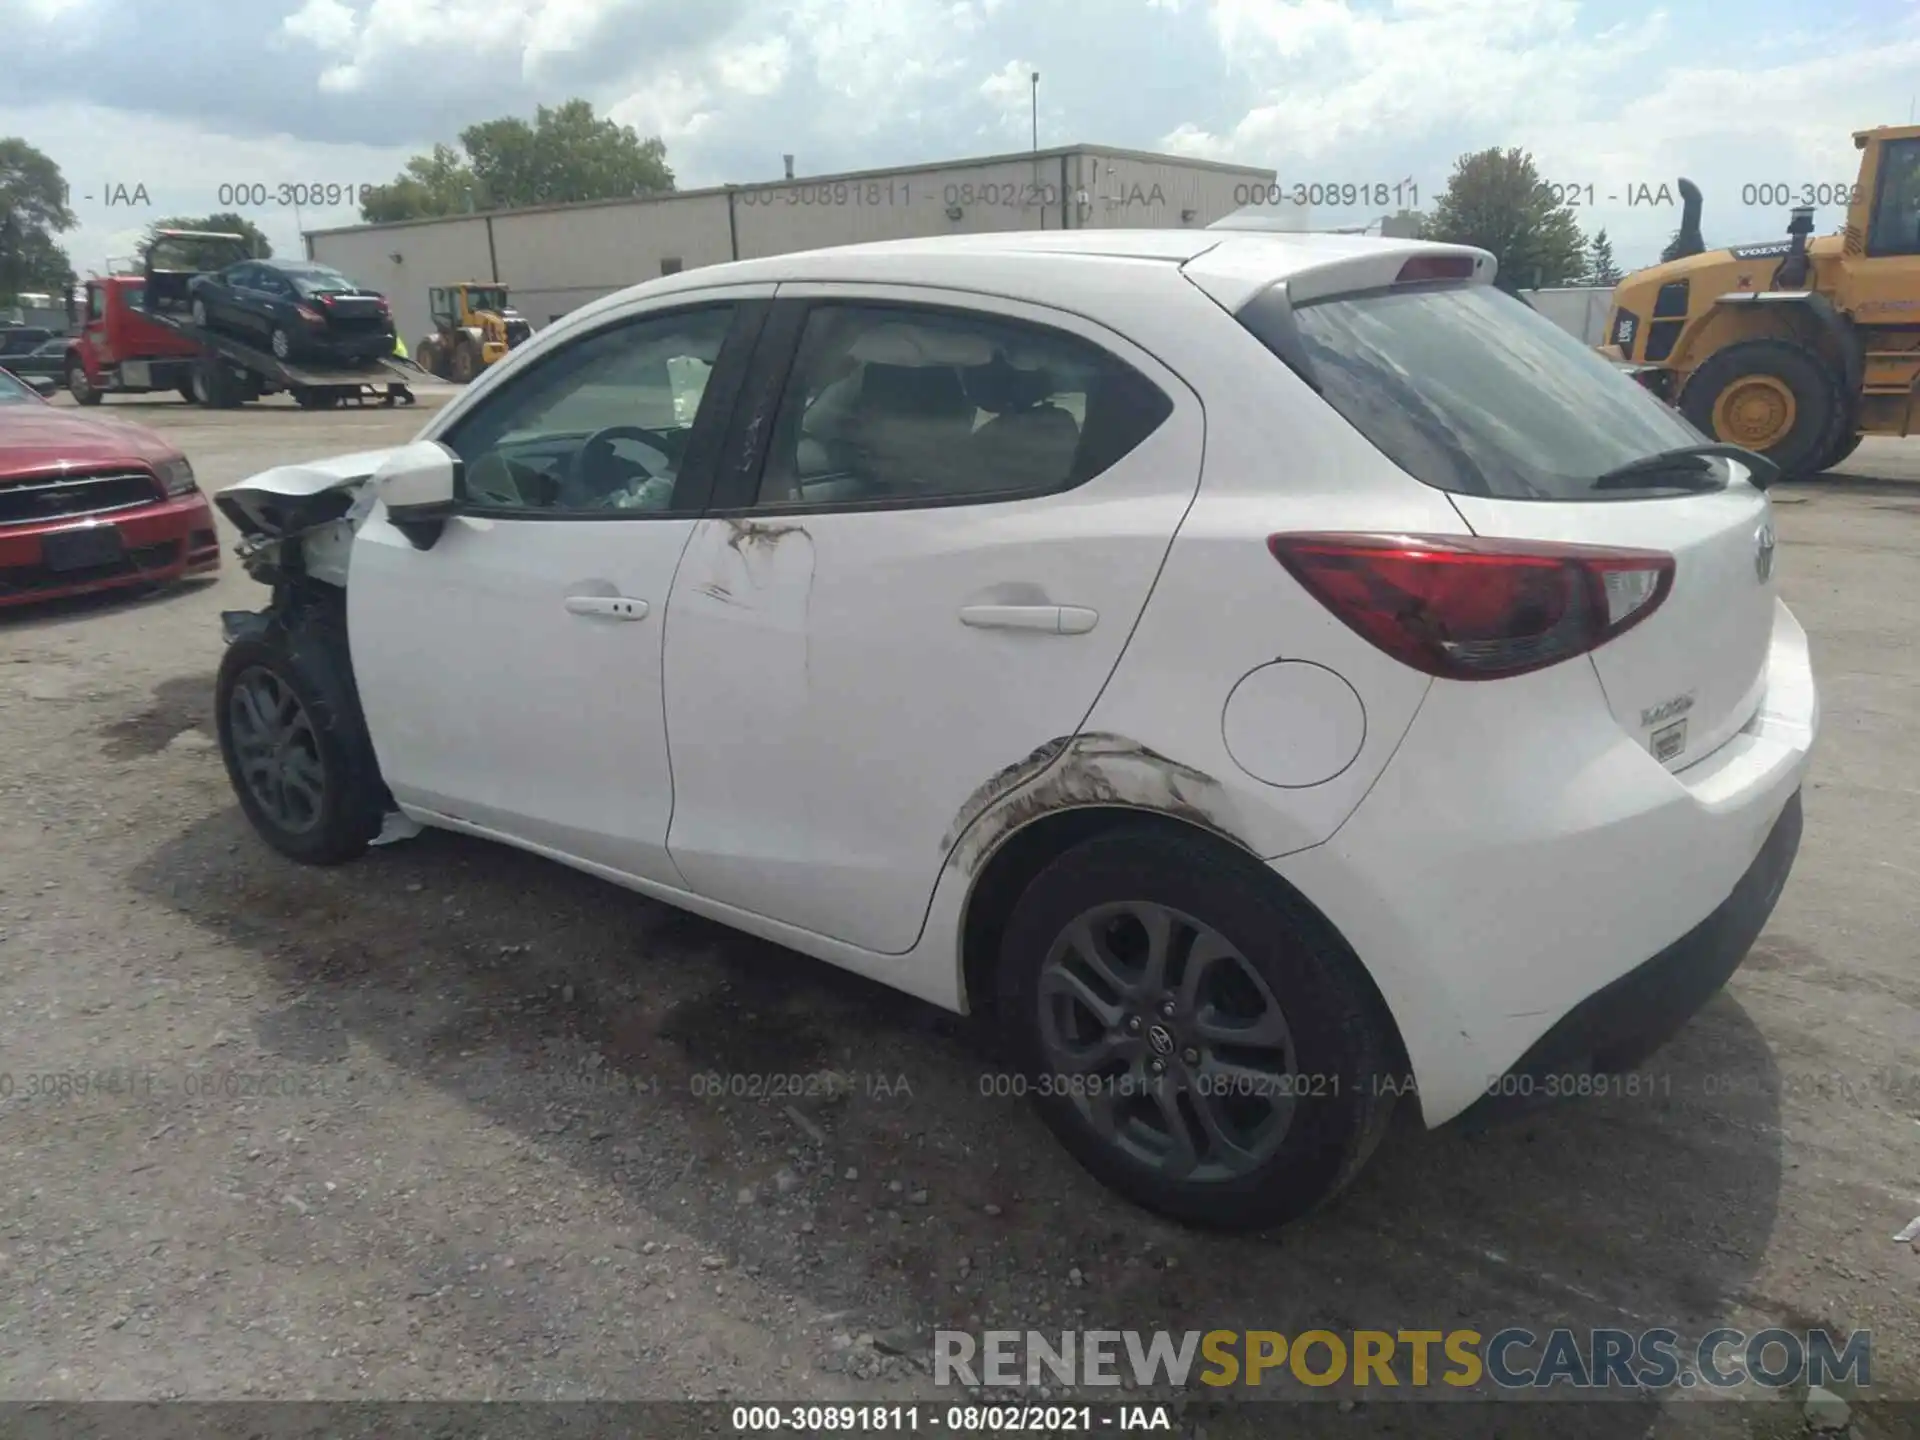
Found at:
[757, 68]
[325, 24]
[675, 107]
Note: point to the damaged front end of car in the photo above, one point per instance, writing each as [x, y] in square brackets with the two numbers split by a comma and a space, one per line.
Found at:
[296, 525]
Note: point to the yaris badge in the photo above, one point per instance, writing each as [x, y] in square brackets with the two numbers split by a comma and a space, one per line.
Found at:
[1763, 553]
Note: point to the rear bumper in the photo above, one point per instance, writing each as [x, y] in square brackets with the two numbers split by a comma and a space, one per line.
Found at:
[1617, 1027]
[168, 540]
[1522, 855]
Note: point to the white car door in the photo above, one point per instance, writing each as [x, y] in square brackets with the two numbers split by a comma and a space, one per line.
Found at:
[927, 552]
[510, 673]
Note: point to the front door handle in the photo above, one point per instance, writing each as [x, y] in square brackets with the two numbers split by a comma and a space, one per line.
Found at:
[1048, 619]
[611, 607]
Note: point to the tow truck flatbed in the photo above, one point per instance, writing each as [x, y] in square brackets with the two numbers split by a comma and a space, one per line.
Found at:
[270, 373]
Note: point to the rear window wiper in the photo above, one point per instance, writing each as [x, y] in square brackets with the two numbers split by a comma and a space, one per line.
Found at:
[1683, 458]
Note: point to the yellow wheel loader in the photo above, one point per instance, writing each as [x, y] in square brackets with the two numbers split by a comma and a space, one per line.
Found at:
[1799, 347]
[474, 326]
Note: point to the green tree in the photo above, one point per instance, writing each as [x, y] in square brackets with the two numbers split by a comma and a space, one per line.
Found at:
[439, 183]
[1601, 267]
[33, 210]
[212, 254]
[1496, 200]
[565, 153]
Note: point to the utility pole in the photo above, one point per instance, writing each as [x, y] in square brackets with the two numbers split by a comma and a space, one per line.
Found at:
[1036, 112]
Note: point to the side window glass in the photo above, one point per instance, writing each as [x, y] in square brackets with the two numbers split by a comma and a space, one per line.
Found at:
[896, 405]
[599, 426]
[1896, 214]
[97, 302]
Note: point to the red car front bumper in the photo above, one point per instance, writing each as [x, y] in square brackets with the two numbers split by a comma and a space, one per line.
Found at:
[167, 540]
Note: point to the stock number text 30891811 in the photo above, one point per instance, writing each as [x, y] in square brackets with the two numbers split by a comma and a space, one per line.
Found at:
[1404, 193]
[316, 194]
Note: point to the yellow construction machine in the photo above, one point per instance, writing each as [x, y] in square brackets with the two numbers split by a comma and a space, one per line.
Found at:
[1799, 347]
[474, 326]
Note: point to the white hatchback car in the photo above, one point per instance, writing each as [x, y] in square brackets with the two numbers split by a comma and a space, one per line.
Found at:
[1253, 669]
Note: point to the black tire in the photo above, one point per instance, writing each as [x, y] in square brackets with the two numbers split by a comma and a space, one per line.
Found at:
[186, 393]
[308, 659]
[1848, 444]
[1820, 401]
[80, 387]
[213, 384]
[464, 365]
[1340, 1084]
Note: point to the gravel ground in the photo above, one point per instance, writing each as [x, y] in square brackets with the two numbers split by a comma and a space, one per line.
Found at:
[434, 1125]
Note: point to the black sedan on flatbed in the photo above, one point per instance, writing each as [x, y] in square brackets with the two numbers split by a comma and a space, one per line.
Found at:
[296, 308]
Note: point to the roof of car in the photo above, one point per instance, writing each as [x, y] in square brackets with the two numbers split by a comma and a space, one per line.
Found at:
[1033, 262]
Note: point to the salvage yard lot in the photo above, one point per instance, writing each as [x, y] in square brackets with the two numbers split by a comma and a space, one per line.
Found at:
[455, 1121]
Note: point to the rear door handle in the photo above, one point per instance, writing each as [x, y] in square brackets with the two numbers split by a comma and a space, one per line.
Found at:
[1048, 619]
[611, 607]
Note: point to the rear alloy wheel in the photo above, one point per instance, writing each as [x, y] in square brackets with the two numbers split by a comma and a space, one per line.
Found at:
[282, 344]
[1774, 397]
[1191, 1033]
[199, 312]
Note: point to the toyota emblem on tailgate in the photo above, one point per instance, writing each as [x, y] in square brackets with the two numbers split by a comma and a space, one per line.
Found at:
[1763, 553]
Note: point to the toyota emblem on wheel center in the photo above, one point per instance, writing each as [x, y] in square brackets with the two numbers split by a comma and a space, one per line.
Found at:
[1161, 1039]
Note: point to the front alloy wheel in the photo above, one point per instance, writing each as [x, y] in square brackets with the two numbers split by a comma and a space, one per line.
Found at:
[277, 750]
[1188, 1062]
[294, 742]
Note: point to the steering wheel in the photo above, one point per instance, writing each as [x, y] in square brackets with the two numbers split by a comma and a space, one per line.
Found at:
[599, 470]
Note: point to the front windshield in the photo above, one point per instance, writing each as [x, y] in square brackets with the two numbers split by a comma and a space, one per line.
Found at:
[1472, 391]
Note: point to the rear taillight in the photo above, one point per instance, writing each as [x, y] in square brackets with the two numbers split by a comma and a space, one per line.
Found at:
[312, 317]
[1466, 608]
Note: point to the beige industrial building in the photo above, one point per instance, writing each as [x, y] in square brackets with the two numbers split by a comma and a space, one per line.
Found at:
[556, 258]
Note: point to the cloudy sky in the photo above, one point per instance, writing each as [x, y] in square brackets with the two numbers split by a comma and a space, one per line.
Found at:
[184, 96]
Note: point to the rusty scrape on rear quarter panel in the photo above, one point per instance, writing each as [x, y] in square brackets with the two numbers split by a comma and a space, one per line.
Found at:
[1091, 769]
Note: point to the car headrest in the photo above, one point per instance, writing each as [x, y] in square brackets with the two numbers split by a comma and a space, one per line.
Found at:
[1001, 387]
[928, 391]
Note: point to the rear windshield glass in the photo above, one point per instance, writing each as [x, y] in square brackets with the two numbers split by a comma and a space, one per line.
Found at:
[1472, 391]
[321, 282]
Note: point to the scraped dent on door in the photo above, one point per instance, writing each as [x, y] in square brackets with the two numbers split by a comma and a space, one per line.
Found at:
[1095, 768]
[759, 535]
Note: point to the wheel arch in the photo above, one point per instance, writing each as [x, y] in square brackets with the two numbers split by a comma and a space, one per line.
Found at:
[1022, 853]
[1809, 320]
